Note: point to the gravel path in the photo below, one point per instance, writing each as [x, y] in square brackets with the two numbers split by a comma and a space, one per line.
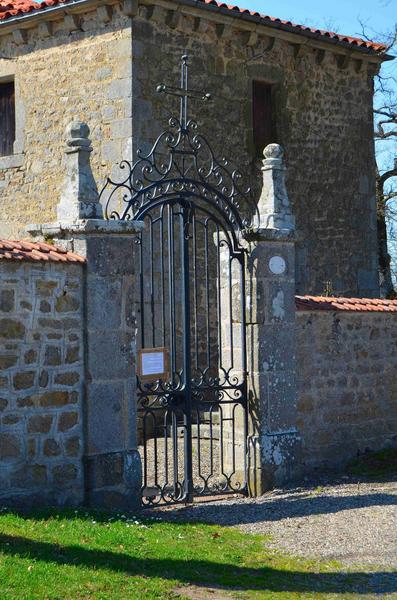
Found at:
[353, 523]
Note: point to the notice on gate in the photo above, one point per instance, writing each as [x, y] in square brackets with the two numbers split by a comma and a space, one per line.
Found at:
[153, 363]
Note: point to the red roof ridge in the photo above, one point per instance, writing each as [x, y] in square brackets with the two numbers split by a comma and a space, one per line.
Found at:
[334, 303]
[14, 8]
[36, 251]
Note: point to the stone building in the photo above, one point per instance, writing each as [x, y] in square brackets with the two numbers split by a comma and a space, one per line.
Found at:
[271, 81]
[273, 384]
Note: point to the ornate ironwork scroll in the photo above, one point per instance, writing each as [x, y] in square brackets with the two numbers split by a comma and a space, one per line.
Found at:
[192, 425]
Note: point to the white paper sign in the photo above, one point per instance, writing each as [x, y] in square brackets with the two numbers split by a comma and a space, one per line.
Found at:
[152, 363]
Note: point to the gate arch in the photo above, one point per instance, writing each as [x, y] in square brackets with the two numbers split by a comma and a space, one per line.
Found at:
[193, 421]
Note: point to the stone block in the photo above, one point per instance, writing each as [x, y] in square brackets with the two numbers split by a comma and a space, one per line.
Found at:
[104, 301]
[10, 446]
[43, 379]
[53, 356]
[29, 475]
[64, 473]
[45, 307]
[67, 420]
[24, 380]
[39, 424]
[54, 399]
[11, 419]
[67, 303]
[46, 287]
[72, 354]
[106, 417]
[30, 357]
[11, 329]
[7, 300]
[111, 257]
[51, 448]
[118, 345]
[68, 378]
[8, 361]
[72, 446]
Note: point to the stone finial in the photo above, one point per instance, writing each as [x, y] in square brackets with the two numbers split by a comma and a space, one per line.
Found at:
[79, 197]
[274, 207]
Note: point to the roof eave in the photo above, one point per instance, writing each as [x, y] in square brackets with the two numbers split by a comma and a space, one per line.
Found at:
[27, 19]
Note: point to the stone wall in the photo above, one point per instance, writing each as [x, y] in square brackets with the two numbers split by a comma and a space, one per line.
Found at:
[323, 119]
[41, 382]
[76, 68]
[98, 67]
[347, 384]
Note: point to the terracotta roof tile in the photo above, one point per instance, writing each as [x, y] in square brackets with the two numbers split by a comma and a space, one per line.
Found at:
[12, 8]
[36, 251]
[307, 303]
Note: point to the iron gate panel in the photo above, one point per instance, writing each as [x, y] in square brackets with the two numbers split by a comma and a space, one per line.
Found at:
[192, 425]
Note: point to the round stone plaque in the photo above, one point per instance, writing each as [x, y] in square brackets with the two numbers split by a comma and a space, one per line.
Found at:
[277, 265]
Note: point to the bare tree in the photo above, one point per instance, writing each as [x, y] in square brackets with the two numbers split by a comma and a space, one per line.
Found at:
[385, 113]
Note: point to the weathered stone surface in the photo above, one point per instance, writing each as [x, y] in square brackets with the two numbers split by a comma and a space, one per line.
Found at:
[11, 419]
[11, 329]
[72, 446]
[39, 424]
[347, 399]
[7, 300]
[43, 379]
[66, 472]
[24, 380]
[10, 446]
[3, 403]
[29, 476]
[72, 354]
[54, 399]
[68, 378]
[67, 421]
[51, 448]
[45, 306]
[8, 361]
[67, 303]
[53, 356]
[30, 357]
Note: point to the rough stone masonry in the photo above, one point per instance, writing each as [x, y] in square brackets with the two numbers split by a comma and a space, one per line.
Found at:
[41, 382]
[101, 62]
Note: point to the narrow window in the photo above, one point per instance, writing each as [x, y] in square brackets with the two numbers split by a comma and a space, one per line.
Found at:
[7, 118]
[262, 116]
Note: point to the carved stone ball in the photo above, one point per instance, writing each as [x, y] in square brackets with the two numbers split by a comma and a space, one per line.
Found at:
[77, 129]
[273, 151]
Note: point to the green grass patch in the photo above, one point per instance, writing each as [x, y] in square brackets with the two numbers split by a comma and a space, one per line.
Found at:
[77, 555]
[377, 465]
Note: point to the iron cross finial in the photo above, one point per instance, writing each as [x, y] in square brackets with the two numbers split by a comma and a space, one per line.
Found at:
[183, 92]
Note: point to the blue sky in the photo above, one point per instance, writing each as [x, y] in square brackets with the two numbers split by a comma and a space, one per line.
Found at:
[343, 15]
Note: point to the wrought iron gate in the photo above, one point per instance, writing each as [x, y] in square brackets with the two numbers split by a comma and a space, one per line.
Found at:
[192, 421]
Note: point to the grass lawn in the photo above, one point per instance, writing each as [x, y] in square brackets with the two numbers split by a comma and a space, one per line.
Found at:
[79, 554]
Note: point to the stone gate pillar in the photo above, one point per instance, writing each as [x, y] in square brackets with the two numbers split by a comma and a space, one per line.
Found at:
[274, 442]
[111, 460]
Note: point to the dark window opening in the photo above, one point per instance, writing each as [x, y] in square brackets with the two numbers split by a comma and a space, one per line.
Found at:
[7, 118]
[262, 116]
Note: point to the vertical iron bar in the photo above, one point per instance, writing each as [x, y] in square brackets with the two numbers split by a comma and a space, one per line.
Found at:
[152, 284]
[207, 293]
[171, 290]
[244, 362]
[141, 292]
[187, 416]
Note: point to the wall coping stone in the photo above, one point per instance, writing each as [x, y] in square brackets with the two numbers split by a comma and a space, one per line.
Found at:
[92, 226]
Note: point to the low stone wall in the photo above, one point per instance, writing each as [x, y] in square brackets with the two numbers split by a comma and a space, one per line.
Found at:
[41, 380]
[347, 384]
